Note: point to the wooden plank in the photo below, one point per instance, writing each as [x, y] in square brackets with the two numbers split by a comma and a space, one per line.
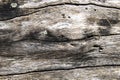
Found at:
[73, 22]
[21, 57]
[99, 73]
[59, 35]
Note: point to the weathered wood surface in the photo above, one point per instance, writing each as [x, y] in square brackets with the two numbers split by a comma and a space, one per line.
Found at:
[98, 73]
[80, 37]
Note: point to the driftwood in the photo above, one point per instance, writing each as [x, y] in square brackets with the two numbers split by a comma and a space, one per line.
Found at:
[59, 39]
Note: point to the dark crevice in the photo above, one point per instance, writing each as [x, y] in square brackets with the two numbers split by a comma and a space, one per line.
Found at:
[99, 47]
[76, 4]
[61, 69]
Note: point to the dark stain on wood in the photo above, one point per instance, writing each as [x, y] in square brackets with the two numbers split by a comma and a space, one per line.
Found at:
[104, 22]
[107, 22]
[6, 6]
[114, 21]
[103, 1]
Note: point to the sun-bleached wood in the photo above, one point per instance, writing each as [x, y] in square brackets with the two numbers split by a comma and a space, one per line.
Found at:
[54, 35]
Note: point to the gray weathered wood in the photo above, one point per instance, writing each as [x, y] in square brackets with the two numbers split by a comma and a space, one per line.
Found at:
[99, 73]
[55, 35]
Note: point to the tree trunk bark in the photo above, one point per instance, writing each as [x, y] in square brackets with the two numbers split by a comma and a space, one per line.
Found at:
[59, 39]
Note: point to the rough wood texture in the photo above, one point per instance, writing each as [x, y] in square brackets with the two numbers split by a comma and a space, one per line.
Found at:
[59, 39]
[98, 73]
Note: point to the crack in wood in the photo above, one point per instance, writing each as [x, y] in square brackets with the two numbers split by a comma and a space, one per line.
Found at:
[17, 11]
[65, 69]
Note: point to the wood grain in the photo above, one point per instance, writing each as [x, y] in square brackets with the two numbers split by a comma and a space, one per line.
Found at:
[97, 73]
[53, 37]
